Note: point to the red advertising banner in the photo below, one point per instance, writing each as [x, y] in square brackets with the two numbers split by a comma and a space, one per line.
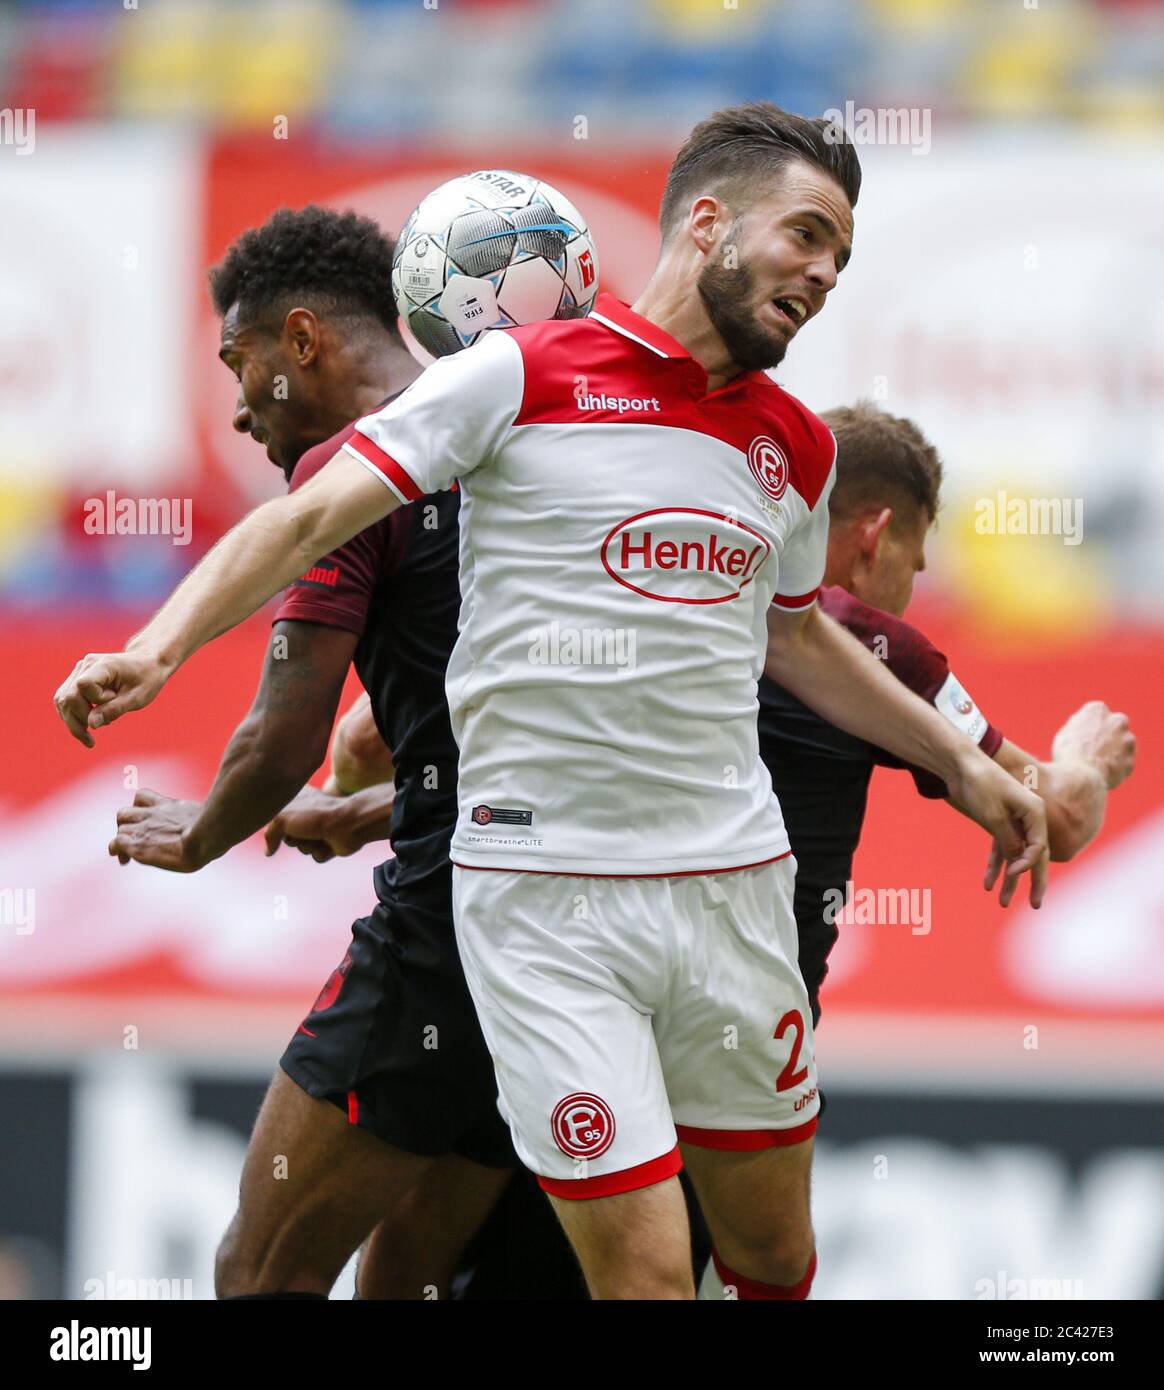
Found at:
[259, 934]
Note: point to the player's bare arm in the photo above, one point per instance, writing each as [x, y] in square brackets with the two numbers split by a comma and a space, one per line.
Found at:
[329, 826]
[262, 555]
[359, 756]
[831, 672]
[271, 755]
[355, 806]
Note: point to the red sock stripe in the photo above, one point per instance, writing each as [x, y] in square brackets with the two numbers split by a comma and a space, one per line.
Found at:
[750, 1289]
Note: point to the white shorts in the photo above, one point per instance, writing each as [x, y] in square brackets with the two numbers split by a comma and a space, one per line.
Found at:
[624, 1014]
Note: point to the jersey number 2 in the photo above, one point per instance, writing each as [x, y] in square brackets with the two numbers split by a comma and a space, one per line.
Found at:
[790, 1077]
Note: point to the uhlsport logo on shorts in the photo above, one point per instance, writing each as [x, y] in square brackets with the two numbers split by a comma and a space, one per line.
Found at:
[684, 555]
[583, 1125]
[769, 466]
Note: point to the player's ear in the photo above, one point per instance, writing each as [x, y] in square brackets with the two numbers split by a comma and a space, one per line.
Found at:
[301, 330]
[707, 221]
[873, 528]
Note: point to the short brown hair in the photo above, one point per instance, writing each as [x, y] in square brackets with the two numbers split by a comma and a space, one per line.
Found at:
[725, 153]
[883, 460]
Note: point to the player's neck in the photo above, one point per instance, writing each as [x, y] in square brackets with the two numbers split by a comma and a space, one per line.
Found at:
[674, 305]
[371, 375]
[838, 574]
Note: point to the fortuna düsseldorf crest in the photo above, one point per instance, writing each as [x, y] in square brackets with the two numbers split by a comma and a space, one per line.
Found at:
[583, 1125]
[769, 466]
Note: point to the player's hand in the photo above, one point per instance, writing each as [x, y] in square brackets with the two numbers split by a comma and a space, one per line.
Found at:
[101, 688]
[155, 830]
[1015, 818]
[316, 823]
[1096, 735]
[995, 865]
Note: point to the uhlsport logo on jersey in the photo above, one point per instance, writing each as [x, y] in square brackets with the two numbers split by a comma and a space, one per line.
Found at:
[684, 555]
[769, 466]
[583, 1125]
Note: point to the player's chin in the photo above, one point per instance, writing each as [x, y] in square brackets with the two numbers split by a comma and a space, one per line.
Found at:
[770, 347]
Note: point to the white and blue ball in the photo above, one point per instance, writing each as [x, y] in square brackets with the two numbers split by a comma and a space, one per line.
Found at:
[490, 250]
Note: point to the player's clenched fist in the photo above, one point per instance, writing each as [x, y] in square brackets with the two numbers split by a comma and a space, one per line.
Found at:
[1097, 735]
[156, 830]
[101, 688]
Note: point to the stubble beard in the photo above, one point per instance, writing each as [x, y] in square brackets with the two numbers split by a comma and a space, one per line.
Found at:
[729, 296]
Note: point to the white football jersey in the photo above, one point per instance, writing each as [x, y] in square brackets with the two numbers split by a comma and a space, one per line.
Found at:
[623, 533]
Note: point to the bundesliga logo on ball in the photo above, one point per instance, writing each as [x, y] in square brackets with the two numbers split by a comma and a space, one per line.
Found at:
[491, 250]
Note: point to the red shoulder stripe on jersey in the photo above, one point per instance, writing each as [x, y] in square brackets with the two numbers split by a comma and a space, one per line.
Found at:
[745, 1140]
[384, 464]
[800, 600]
[610, 1184]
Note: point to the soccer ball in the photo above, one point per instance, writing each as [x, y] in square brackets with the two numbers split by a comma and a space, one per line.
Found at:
[490, 250]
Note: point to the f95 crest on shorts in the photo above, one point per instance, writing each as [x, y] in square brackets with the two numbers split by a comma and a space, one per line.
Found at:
[583, 1125]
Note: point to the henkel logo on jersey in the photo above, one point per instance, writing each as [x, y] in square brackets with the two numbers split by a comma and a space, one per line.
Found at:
[583, 1125]
[684, 555]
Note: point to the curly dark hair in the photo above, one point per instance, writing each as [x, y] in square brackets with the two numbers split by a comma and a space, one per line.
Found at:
[338, 262]
[729, 151]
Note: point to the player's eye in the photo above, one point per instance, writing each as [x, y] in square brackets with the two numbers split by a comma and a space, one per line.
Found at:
[805, 233]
